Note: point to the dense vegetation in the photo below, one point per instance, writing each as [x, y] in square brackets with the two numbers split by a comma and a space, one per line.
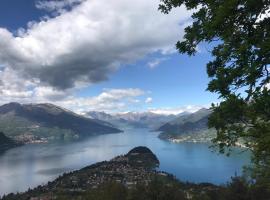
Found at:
[239, 32]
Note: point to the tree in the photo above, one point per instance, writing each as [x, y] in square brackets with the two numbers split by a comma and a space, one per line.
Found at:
[239, 32]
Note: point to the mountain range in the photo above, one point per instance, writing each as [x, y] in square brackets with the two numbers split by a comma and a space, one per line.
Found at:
[31, 122]
[182, 127]
[133, 119]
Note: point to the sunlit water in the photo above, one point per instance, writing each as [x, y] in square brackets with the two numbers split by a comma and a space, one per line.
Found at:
[31, 165]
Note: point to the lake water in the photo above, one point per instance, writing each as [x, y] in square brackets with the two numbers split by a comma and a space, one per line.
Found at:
[34, 164]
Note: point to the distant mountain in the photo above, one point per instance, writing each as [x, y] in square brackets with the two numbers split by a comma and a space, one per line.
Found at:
[188, 126]
[47, 121]
[111, 119]
[146, 119]
[133, 119]
[6, 143]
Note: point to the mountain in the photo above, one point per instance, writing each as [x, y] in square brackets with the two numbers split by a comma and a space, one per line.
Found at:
[133, 119]
[6, 143]
[111, 119]
[188, 126]
[41, 122]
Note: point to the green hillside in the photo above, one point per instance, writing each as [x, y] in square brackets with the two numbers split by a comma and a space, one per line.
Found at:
[188, 127]
[32, 122]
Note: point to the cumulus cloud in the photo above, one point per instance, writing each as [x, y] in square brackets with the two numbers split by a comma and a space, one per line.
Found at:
[110, 100]
[82, 43]
[50, 94]
[89, 42]
[177, 110]
[14, 87]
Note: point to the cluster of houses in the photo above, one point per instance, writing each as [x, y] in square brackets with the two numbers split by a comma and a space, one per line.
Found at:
[117, 170]
[128, 170]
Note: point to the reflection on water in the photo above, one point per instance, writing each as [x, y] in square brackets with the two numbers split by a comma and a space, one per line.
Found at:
[31, 165]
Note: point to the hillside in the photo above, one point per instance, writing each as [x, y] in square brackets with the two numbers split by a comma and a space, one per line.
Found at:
[133, 119]
[6, 143]
[188, 127]
[41, 122]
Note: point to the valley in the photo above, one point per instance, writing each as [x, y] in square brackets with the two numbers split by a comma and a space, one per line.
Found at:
[183, 127]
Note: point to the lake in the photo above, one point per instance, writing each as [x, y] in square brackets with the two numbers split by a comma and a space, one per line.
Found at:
[34, 164]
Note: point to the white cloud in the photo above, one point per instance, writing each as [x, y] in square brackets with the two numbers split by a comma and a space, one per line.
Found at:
[12, 86]
[89, 42]
[177, 110]
[110, 100]
[149, 100]
[49, 93]
[83, 44]
[154, 63]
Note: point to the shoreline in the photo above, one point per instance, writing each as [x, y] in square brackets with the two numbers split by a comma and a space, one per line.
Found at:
[192, 140]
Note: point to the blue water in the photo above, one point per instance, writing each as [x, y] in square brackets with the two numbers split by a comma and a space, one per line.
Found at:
[34, 164]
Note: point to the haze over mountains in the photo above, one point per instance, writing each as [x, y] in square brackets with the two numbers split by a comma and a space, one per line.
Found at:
[29, 122]
[133, 119]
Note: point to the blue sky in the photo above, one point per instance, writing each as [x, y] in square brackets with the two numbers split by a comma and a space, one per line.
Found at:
[157, 79]
[177, 81]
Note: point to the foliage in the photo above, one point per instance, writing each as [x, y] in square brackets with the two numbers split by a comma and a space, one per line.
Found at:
[239, 32]
[158, 189]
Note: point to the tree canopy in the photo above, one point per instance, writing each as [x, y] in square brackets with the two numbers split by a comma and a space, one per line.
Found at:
[239, 33]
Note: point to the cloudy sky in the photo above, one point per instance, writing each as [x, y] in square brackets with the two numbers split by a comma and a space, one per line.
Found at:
[112, 56]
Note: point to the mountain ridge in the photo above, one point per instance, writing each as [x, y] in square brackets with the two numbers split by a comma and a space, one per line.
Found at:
[133, 119]
[45, 120]
[191, 127]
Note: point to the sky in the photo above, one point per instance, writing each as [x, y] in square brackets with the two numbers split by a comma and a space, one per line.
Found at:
[112, 56]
